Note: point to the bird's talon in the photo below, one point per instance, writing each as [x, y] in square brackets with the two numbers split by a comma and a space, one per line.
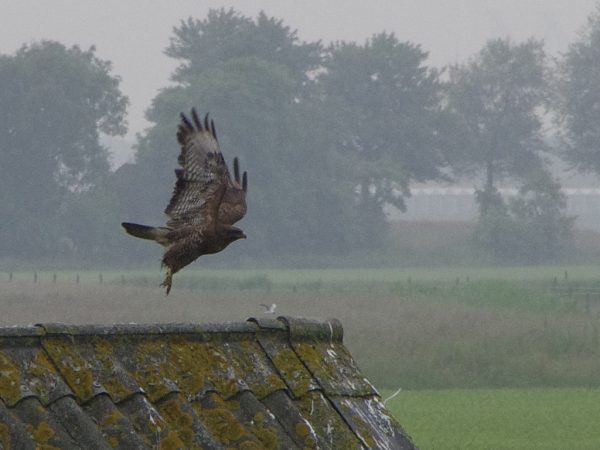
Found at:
[168, 281]
[166, 284]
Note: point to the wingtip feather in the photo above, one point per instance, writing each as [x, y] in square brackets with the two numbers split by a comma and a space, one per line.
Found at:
[236, 170]
[185, 121]
[213, 129]
[206, 126]
[196, 119]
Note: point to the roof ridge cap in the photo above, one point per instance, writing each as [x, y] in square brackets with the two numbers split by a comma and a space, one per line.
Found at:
[313, 329]
[298, 328]
[22, 331]
[50, 329]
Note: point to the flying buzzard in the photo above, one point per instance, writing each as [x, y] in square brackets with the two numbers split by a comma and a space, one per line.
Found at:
[205, 204]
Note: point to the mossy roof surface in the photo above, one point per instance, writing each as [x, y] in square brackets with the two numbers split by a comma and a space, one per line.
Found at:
[281, 383]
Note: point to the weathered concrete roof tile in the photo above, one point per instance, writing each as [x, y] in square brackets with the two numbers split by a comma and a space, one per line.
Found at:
[264, 384]
[370, 421]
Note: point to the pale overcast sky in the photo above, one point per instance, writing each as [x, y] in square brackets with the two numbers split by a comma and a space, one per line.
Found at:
[134, 33]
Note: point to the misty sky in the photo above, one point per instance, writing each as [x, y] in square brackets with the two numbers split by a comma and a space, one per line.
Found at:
[134, 33]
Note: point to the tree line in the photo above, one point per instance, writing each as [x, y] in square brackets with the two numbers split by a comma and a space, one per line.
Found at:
[329, 134]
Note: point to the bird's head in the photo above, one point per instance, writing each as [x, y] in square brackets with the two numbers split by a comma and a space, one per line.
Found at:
[233, 234]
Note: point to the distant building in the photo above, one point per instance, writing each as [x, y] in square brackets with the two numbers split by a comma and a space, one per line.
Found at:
[457, 204]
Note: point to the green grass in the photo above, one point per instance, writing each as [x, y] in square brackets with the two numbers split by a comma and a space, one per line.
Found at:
[431, 328]
[469, 333]
[497, 419]
[288, 277]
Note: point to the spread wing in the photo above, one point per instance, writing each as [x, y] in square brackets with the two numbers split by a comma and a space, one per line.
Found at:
[202, 179]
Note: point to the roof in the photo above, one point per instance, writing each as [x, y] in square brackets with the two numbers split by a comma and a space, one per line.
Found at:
[262, 384]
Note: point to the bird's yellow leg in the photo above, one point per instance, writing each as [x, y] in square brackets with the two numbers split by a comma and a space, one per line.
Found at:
[168, 280]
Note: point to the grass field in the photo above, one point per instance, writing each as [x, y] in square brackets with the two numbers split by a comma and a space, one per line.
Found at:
[289, 277]
[500, 419]
[432, 328]
[486, 357]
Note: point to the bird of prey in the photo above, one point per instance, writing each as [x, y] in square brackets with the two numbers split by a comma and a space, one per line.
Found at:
[205, 204]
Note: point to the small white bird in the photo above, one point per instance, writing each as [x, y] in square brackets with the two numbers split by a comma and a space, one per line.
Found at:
[269, 309]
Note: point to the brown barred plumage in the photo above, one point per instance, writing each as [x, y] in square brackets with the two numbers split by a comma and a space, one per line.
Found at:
[205, 204]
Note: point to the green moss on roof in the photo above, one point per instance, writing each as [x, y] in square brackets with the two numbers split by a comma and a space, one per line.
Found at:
[326, 422]
[293, 371]
[224, 426]
[116, 389]
[113, 424]
[194, 365]
[10, 388]
[39, 372]
[265, 434]
[256, 386]
[178, 421]
[102, 354]
[304, 432]
[112, 418]
[172, 442]
[189, 364]
[221, 422]
[149, 372]
[4, 436]
[46, 447]
[41, 365]
[41, 435]
[302, 429]
[103, 347]
[250, 445]
[313, 358]
[72, 367]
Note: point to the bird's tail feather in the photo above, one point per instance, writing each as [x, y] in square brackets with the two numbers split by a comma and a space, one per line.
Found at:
[158, 234]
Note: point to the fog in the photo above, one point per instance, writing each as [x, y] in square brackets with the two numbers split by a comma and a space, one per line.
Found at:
[427, 172]
[286, 104]
[133, 34]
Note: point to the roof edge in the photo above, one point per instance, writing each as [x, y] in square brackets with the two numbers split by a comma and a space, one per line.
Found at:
[298, 328]
[302, 328]
[50, 329]
[22, 331]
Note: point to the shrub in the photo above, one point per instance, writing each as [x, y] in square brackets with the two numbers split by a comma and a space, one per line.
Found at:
[531, 228]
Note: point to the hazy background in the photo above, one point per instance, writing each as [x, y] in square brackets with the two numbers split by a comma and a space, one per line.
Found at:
[410, 187]
[133, 34]
[431, 181]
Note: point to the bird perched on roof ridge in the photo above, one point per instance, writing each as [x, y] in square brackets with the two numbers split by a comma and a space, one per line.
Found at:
[205, 204]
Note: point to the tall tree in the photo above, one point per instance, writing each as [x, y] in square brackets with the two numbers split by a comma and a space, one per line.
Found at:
[578, 97]
[496, 98]
[532, 227]
[388, 107]
[54, 103]
[225, 35]
[540, 211]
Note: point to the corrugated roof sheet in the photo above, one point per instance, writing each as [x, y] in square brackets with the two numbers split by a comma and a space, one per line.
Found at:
[281, 383]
